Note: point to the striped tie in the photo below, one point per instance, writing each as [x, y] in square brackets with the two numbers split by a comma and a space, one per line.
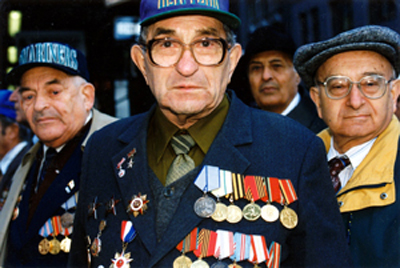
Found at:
[182, 163]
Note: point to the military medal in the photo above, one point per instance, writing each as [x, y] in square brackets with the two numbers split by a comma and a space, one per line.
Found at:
[110, 207]
[121, 171]
[55, 246]
[269, 212]
[288, 216]
[92, 212]
[138, 205]
[206, 244]
[188, 244]
[259, 252]
[234, 214]
[274, 255]
[206, 181]
[95, 248]
[224, 248]
[128, 233]
[65, 244]
[252, 212]
[45, 231]
[234, 265]
[131, 155]
[67, 219]
[221, 212]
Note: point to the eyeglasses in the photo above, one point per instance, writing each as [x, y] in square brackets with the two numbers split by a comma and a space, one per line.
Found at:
[166, 52]
[371, 86]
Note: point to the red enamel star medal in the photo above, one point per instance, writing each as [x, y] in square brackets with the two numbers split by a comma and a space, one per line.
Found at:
[138, 205]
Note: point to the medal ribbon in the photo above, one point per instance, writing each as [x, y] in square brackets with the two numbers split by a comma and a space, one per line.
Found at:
[275, 252]
[238, 187]
[274, 191]
[254, 188]
[206, 244]
[288, 191]
[128, 232]
[208, 179]
[225, 182]
[46, 229]
[259, 252]
[56, 223]
[241, 246]
[66, 231]
[223, 245]
[189, 243]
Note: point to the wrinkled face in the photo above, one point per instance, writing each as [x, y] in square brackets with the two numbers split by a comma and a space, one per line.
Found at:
[187, 88]
[56, 104]
[355, 118]
[273, 80]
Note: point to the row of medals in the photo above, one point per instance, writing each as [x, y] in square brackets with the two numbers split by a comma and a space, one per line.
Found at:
[54, 246]
[207, 207]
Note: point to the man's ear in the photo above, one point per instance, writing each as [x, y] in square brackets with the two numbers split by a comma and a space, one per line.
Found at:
[234, 56]
[314, 94]
[12, 132]
[395, 91]
[138, 58]
[88, 92]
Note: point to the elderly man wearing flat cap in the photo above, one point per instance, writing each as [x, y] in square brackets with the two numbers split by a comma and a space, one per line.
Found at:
[353, 83]
[189, 178]
[266, 73]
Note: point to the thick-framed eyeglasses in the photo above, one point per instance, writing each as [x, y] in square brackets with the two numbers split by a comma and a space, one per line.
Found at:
[371, 86]
[166, 52]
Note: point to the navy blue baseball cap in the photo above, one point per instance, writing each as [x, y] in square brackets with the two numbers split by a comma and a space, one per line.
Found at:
[55, 55]
[152, 11]
[7, 107]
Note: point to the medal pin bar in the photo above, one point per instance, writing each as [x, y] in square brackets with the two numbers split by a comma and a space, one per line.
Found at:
[188, 244]
[288, 216]
[55, 246]
[269, 212]
[95, 248]
[128, 233]
[207, 180]
[45, 231]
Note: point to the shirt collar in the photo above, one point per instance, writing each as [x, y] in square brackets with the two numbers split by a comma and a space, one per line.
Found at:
[10, 155]
[292, 104]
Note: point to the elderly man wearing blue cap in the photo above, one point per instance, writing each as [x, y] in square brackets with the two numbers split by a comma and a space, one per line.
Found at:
[353, 83]
[57, 99]
[202, 179]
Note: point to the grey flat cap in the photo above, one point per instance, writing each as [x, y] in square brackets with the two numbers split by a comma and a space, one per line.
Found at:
[310, 57]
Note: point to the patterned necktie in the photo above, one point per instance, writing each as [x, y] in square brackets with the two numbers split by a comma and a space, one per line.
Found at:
[182, 163]
[336, 165]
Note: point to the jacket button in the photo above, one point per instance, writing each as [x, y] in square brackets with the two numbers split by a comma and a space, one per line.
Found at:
[384, 196]
[168, 192]
[340, 203]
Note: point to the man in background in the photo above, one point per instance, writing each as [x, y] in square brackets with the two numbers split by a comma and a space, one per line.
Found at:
[267, 79]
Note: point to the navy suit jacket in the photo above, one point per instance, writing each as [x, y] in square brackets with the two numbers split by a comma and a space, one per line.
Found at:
[306, 113]
[251, 142]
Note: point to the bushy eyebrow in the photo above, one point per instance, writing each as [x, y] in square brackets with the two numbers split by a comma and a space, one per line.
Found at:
[207, 31]
[51, 82]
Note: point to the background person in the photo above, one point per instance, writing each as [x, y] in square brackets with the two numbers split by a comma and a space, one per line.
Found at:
[267, 78]
[149, 163]
[353, 82]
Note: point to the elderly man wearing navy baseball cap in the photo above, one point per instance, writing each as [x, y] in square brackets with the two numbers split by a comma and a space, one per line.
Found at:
[353, 82]
[57, 99]
[185, 184]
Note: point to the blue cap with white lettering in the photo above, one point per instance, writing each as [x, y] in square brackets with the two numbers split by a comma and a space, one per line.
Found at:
[55, 55]
[7, 107]
[152, 11]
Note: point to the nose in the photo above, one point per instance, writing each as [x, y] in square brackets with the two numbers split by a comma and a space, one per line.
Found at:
[40, 102]
[187, 64]
[13, 97]
[267, 74]
[355, 99]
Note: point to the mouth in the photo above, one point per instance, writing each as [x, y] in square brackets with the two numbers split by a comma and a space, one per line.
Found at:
[268, 89]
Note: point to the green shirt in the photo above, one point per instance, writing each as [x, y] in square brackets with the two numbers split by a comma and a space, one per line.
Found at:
[159, 150]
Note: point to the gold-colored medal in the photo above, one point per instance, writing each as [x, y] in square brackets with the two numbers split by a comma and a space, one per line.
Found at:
[235, 214]
[289, 218]
[44, 246]
[269, 213]
[252, 212]
[182, 262]
[55, 246]
[65, 244]
[221, 212]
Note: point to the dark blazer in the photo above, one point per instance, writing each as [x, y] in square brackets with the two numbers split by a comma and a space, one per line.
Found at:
[306, 113]
[250, 141]
[6, 180]
[23, 239]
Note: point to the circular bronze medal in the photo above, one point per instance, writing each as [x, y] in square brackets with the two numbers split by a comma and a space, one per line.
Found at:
[289, 218]
[235, 214]
[269, 213]
[199, 264]
[44, 246]
[220, 213]
[67, 220]
[55, 247]
[182, 262]
[65, 244]
[252, 212]
[204, 206]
